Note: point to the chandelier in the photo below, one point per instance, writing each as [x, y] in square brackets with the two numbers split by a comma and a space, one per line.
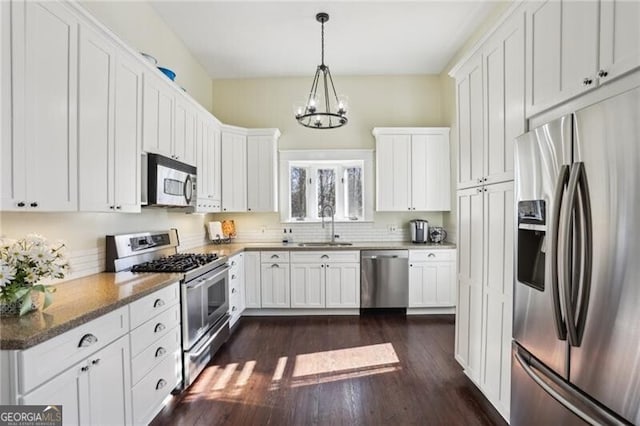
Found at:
[316, 112]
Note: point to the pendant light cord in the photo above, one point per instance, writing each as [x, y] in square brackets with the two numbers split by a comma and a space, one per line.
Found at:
[322, 41]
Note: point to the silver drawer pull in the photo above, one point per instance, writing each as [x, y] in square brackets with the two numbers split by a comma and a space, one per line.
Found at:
[160, 351]
[324, 256]
[161, 383]
[233, 263]
[233, 308]
[158, 302]
[233, 290]
[87, 340]
[233, 277]
[159, 327]
[431, 255]
[275, 256]
[275, 265]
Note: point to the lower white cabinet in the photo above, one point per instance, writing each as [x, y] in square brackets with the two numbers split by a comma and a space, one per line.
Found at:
[432, 278]
[307, 285]
[342, 285]
[236, 288]
[252, 272]
[274, 285]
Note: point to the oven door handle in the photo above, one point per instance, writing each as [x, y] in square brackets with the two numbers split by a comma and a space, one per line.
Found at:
[206, 344]
[202, 281]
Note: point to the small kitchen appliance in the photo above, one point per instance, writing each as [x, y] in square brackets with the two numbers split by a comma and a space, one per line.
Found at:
[437, 234]
[419, 231]
[204, 295]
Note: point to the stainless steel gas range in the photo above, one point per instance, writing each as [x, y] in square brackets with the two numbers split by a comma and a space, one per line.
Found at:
[204, 294]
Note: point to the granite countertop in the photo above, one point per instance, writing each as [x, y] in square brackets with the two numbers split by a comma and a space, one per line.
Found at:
[79, 301]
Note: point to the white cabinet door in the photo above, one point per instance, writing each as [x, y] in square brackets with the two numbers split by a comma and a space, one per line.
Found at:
[262, 174]
[393, 174]
[431, 284]
[109, 384]
[127, 135]
[342, 285]
[619, 38]
[215, 165]
[562, 51]
[470, 123]
[470, 269]
[307, 285]
[44, 146]
[234, 172]
[504, 104]
[275, 285]
[203, 152]
[96, 65]
[184, 140]
[498, 291]
[252, 295]
[157, 119]
[430, 172]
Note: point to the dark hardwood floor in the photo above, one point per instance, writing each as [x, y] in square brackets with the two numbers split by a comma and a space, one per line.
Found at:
[368, 370]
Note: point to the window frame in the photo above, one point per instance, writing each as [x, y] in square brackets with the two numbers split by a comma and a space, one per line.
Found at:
[339, 160]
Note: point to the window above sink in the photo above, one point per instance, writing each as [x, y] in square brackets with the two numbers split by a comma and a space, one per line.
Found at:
[312, 180]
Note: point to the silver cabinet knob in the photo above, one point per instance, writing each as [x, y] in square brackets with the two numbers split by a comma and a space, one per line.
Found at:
[34, 204]
[21, 204]
[587, 81]
[95, 361]
[602, 73]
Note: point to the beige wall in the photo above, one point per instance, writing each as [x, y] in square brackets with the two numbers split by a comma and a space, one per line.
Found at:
[374, 101]
[138, 24]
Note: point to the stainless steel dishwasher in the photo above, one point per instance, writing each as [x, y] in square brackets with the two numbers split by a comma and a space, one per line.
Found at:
[384, 278]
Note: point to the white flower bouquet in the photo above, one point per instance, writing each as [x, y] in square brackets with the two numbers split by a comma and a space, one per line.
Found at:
[23, 264]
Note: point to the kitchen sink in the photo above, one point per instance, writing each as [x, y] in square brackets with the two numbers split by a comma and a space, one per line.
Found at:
[324, 244]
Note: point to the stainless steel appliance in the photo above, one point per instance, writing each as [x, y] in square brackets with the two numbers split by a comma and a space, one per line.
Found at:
[204, 294]
[168, 183]
[419, 231]
[384, 278]
[576, 325]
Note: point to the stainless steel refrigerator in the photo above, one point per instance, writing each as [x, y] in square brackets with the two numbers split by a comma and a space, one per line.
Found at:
[576, 326]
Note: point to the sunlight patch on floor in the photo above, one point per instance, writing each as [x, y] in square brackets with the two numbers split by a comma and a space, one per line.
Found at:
[224, 378]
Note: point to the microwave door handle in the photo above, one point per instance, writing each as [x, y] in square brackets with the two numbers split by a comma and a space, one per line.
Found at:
[188, 192]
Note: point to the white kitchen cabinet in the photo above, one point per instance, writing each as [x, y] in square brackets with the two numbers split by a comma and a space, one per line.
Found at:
[274, 284]
[234, 171]
[157, 119]
[236, 288]
[94, 391]
[252, 272]
[184, 138]
[307, 285]
[262, 170]
[412, 169]
[342, 285]
[432, 278]
[490, 103]
[109, 126]
[43, 148]
[485, 276]
[619, 38]
[208, 164]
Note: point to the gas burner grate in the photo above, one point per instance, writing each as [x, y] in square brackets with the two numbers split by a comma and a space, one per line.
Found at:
[181, 262]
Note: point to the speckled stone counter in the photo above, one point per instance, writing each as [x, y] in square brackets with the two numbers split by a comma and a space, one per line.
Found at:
[81, 300]
[77, 302]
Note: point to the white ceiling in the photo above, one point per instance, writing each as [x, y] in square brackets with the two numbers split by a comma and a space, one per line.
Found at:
[241, 39]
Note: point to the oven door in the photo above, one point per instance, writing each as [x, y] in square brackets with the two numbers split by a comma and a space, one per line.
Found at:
[205, 301]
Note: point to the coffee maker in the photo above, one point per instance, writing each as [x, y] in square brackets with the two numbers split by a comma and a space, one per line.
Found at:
[419, 231]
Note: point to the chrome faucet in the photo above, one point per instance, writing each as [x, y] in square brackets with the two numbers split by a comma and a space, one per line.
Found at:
[333, 229]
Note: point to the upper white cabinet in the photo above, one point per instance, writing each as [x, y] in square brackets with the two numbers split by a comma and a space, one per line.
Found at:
[412, 169]
[234, 171]
[184, 139]
[573, 47]
[490, 105]
[249, 169]
[109, 126]
[157, 119]
[208, 155]
[41, 155]
[262, 170]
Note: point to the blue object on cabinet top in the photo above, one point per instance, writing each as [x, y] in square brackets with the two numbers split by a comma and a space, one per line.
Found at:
[168, 73]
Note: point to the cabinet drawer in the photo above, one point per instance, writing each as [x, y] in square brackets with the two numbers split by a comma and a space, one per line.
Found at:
[149, 393]
[154, 329]
[274, 256]
[43, 361]
[432, 255]
[167, 346]
[325, 256]
[143, 309]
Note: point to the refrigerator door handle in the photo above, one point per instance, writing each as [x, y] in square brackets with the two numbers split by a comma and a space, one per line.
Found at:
[561, 328]
[586, 251]
[562, 392]
[568, 222]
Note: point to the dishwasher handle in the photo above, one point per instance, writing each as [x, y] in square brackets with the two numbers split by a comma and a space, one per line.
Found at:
[384, 254]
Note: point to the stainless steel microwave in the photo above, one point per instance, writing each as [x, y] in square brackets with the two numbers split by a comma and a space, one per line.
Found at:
[167, 182]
